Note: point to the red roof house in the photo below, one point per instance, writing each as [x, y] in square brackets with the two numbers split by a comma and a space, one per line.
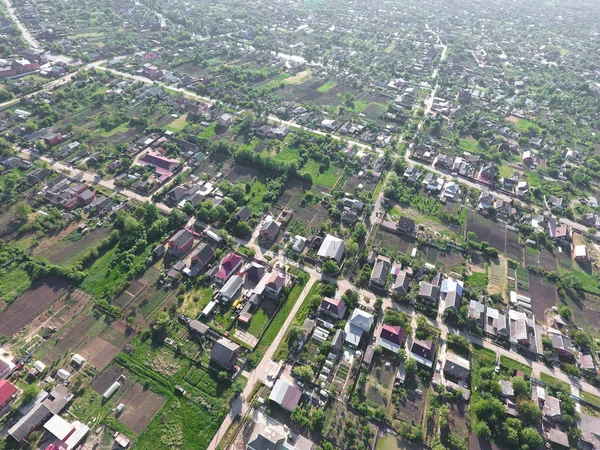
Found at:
[8, 393]
[391, 338]
[333, 307]
[229, 265]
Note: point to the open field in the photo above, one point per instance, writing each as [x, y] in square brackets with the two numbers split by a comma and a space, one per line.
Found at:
[99, 353]
[141, 405]
[494, 233]
[555, 383]
[497, 276]
[543, 296]
[31, 303]
[66, 251]
[391, 442]
[13, 281]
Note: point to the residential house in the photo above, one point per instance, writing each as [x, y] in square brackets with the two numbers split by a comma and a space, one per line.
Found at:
[181, 242]
[496, 324]
[423, 352]
[332, 248]
[225, 353]
[554, 202]
[269, 229]
[406, 225]
[8, 393]
[522, 189]
[536, 143]
[274, 285]
[557, 438]
[477, 312]
[401, 283]
[510, 183]
[561, 343]
[486, 200]
[428, 291]
[580, 253]
[586, 363]
[360, 323]
[225, 120]
[349, 217]
[451, 293]
[231, 289]
[201, 258]
[411, 175]
[391, 338]
[333, 307]
[508, 391]
[299, 244]
[285, 395]
[264, 131]
[450, 191]
[266, 438]
[380, 272]
[457, 369]
[229, 265]
[552, 409]
[243, 214]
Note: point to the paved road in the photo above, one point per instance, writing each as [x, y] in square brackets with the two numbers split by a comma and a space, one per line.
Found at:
[264, 368]
[24, 31]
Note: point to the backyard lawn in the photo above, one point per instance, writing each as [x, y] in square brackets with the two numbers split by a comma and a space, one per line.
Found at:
[327, 86]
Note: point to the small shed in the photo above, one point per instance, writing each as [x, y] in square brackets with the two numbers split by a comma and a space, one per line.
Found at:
[78, 360]
[63, 374]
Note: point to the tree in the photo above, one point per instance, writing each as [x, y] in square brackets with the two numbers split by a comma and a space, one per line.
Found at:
[483, 430]
[161, 324]
[317, 420]
[520, 387]
[410, 366]
[530, 411]
[29, 393]
[21, 210]
[565, 312]
[330, 267]
[305, 373]
[223, 377]
[177, 219]
[531, 438]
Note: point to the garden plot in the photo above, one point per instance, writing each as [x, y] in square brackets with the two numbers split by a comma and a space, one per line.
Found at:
[103, 381]
[497, 276]
[338, 422]
[513, 248]
[100, 353]
[66, 250]
[381, 381]
[31, 304]
[494, 233]
[394, 242]
[141, 405]
[410, 409]
[543, 296]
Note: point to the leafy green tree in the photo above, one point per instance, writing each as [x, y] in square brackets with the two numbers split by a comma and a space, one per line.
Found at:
[330, 267]
[304, 372]
[565, 312]
[483, 430]
[531, 438]
[29, 393]
[521, 387]
[530, 412]
[410, 366]
[21, 211]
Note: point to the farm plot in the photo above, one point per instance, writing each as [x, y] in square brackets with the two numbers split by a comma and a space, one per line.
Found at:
[493, 233]
[136, 287]
[380, 384]
[410, 409]
[114, 373]
[451, 260]
[497, 276]
[241, 174]
[337, 416]
[88, 327]
[513, 248]
[66, 250]
[31, 304]
[565, 261]
[312, 216]
[100, 353]
[394, 242]
[141, 405]
[543, 296]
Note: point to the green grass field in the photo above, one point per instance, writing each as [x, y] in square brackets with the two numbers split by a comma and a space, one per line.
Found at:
[178, 124]
[589, 283]
[287, 155]
[390, 48]
[327, 86]
[504, 171]
[259, 323]
[327, 178]
[590, 398]
[550, 380]
[120, 129]
[469, 145]
[533, 179]
[523, 125]
[515, 365]
[195, 301]
[13, 282]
